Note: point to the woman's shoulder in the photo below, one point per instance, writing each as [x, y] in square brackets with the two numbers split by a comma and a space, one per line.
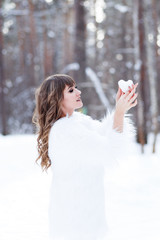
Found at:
[67, 120]
[76, 116]
[70, 123]
[82, 116]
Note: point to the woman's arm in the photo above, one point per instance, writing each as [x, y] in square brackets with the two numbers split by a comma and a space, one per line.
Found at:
[124, 102]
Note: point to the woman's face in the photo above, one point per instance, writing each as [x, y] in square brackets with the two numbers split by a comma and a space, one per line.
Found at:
[71, 100]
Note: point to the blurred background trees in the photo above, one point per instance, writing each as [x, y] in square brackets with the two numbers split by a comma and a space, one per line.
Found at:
[98, 42]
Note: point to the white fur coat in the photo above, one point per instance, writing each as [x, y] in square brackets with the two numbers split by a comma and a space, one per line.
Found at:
[80, 148]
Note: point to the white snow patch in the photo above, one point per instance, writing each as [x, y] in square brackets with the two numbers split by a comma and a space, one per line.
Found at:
[24, 191]
[71, 67]
[122, 8]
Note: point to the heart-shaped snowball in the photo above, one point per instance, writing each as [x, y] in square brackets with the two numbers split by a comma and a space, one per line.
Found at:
[124, 85]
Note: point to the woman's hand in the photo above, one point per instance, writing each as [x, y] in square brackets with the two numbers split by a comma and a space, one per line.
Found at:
[126, 101]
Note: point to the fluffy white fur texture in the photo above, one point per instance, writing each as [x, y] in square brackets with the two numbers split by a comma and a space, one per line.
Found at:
[80, 148]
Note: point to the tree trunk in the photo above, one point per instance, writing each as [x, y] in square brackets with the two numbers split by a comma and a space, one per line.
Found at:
[139, 45]
[80, 51]
[68, 51]
[96, 52]
[151, 29]
[33, 42]
[157, 9]
[2, 96]
[20, 23]
[45, 51]
[80, 35]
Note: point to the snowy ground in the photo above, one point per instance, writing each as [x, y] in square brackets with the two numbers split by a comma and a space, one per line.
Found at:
[132, 194]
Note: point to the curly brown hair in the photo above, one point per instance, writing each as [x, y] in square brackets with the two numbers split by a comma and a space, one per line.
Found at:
[48, 110]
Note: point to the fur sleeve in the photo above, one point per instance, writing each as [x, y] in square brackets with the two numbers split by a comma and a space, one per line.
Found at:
[89, 142]
[123, 142]
[120, 143]
[107, 125]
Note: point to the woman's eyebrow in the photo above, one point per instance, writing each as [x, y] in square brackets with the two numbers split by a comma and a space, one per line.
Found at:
[71, 86]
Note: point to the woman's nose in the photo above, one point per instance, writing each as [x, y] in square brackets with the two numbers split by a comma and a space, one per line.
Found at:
[78, 91]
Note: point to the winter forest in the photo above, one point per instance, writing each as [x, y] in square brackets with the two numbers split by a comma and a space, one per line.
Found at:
[98, 42]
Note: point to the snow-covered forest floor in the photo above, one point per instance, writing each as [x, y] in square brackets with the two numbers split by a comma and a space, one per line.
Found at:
[132, 193]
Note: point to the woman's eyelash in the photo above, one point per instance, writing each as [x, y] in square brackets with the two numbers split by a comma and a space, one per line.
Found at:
[71, 90]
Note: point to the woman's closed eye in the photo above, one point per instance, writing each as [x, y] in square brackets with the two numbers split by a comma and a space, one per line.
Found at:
[72, 89]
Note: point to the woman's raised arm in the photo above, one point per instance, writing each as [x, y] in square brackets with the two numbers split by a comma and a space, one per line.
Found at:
[124, 102]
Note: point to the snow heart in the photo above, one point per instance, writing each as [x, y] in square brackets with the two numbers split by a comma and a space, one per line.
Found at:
[124, 85]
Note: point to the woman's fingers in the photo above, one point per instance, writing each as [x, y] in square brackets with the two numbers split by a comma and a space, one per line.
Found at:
[133, 98]
[129, 95]
[119, 93]
[133, 87]
[134, 104]
[127, 100]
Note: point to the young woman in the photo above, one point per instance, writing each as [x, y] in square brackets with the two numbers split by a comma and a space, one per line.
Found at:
[78, 149]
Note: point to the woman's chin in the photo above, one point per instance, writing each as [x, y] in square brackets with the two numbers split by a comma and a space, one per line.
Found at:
[80, 104]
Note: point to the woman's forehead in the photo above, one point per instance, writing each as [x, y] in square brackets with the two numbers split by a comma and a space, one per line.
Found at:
[70, 85]
[67, 87]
